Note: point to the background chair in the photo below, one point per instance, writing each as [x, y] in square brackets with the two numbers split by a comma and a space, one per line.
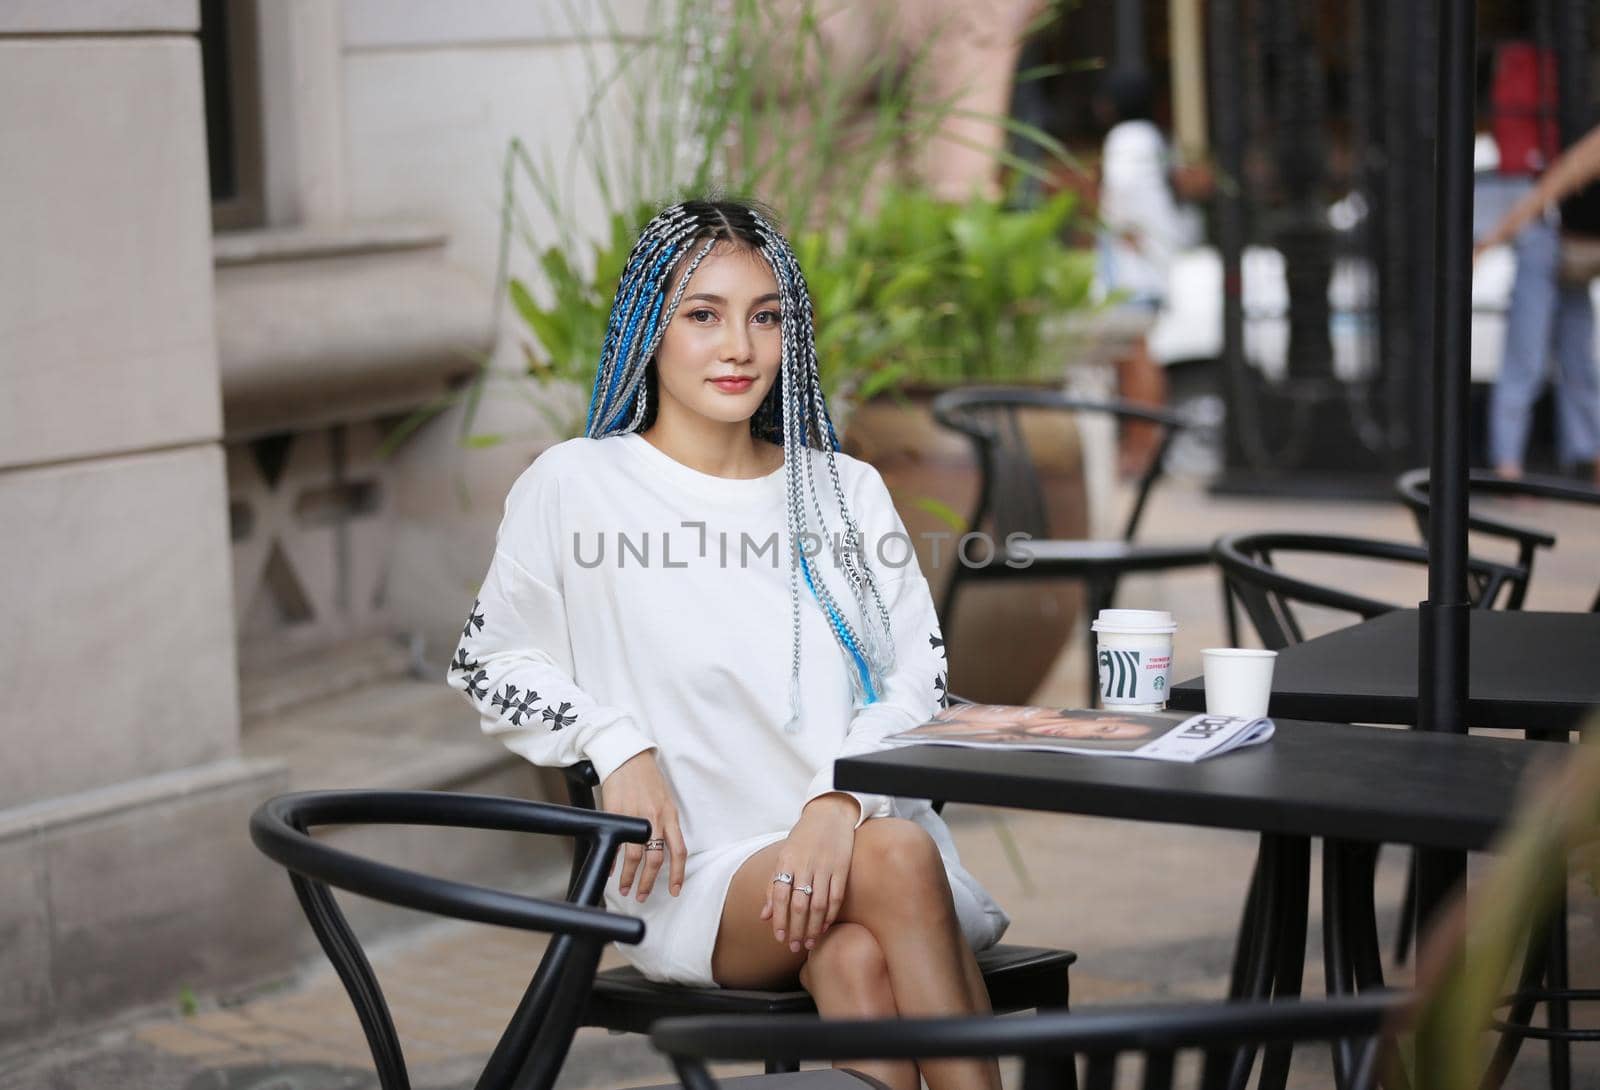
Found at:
[1412, 487]
[623, 1000]
[1269, 596]
[1011, 501]
[1049, 1045]
[534, 1045]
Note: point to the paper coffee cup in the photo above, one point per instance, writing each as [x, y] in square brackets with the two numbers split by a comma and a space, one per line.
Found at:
[1133, 650]
[1238, 680]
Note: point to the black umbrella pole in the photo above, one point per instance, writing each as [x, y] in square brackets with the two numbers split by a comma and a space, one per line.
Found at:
[1443, 650]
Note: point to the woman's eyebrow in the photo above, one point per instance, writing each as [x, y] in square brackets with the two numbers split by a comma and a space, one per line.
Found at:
[770, 297]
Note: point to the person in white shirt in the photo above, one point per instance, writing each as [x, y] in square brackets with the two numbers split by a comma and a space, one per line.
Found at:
[707, 600]
[1143, 227]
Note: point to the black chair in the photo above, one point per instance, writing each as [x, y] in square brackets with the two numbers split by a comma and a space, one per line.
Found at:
[1011, 501]
[534, 1045]
[1270, 595]
[1544, 976]
[1412, 487]
[623, 1000]
[1051, 1044]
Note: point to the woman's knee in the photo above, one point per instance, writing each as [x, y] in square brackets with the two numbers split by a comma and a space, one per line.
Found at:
[896, 860]
[849, 968]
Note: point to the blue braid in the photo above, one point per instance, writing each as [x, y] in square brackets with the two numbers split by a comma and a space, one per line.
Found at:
[842, 630]
[651, 282]
[632, 283]
[630, 341]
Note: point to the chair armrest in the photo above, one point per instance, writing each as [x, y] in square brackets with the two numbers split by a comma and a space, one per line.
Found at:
[279, 828]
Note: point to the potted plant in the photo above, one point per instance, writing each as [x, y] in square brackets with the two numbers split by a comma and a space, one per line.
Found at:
[917, 295]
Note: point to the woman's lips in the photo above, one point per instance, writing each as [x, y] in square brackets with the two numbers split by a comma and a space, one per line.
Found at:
[733, 385]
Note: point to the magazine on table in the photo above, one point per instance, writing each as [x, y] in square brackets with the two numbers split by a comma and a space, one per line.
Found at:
[1158, 736]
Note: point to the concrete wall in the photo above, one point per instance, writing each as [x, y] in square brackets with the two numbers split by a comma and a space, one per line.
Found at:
[433, 97]
[114, 657]
[125, 872]
[123, 868]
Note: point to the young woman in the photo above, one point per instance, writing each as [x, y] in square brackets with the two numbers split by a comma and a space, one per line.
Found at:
[708, 601]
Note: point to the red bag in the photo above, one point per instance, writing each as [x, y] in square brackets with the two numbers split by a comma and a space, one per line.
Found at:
[1522, 107]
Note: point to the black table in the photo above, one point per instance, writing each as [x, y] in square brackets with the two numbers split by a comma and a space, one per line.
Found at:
[1530, 671]
[1355, 787]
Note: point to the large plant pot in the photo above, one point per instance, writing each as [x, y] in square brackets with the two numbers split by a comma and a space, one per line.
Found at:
[1004, 637]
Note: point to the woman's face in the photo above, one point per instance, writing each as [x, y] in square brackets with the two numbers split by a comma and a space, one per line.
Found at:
[720, 354]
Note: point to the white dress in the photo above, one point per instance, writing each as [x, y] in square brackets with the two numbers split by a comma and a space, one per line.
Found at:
[634, 602]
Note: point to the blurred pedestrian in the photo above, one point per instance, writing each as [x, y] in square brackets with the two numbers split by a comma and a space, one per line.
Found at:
[1551, 313]
[1143, 227]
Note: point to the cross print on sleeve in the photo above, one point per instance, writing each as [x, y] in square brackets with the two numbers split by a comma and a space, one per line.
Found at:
[462, 663]
[474, 619]
[524, 707]
[474, 682]
[557, 717]
[507, 702]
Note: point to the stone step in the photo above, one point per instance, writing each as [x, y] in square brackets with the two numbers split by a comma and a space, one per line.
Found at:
[399, 733]
[275, 678]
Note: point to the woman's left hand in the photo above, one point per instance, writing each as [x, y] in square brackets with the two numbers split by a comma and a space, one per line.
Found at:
[817, 854]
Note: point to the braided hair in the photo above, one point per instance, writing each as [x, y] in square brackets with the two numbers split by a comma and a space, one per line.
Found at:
[794, 413]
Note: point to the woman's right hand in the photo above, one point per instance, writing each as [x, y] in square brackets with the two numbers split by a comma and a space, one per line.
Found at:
[637, 788]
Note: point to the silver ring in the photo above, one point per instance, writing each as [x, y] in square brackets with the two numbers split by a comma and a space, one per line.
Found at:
[806, 889]
[655, 845]
[785, 877]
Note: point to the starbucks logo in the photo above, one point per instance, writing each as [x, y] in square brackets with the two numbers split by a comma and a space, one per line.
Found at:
[1119, 675]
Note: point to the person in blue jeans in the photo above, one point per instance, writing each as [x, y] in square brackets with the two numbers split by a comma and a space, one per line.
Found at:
[1546, 317]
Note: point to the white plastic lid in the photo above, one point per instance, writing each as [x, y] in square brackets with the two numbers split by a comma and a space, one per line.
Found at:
[1140, 621]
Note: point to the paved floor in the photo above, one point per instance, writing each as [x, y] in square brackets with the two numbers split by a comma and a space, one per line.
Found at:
[1151, 909]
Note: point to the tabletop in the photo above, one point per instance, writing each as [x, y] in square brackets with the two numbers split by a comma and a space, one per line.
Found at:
[1528, 671]
[1312, 779]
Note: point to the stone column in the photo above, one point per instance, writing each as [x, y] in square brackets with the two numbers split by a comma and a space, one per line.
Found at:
[122, 795]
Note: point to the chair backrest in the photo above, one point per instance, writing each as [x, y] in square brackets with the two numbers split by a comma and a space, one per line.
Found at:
[535, 1043]
[1269, 595]
[1010, 494]
[1412, 488]
[1051, 1044]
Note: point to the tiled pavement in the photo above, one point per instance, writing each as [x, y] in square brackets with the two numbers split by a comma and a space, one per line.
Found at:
[1150, 908]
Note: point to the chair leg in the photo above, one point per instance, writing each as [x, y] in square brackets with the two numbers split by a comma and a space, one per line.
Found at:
[1097, 596]
[1295, 877]
[1230, 613]
[1520, 1014]
[1408, 913]
[1556, 1013]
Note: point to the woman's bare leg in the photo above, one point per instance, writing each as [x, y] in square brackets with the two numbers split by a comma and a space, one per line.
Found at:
[848, 976]
[898, 892]
[747, 955]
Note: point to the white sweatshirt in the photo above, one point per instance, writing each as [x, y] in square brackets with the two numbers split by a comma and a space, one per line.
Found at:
[634, 602]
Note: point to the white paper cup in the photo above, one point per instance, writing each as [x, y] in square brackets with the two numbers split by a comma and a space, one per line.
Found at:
[1133, 648]
[1238, 680]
